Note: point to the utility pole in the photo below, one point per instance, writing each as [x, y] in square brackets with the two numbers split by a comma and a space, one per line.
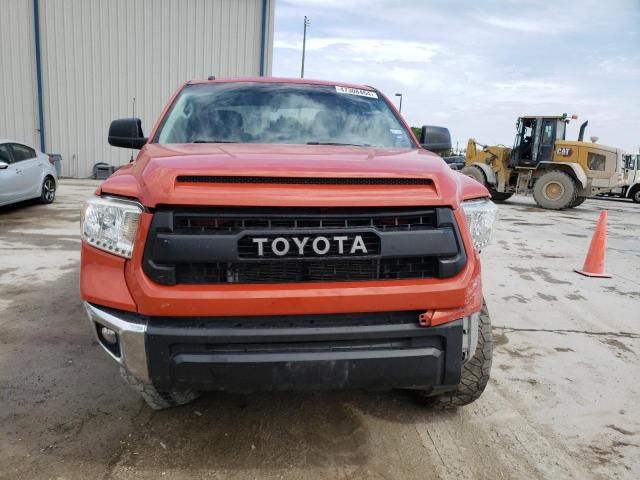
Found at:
[304, 44]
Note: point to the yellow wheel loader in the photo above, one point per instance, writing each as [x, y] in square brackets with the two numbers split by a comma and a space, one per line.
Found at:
[559, 173]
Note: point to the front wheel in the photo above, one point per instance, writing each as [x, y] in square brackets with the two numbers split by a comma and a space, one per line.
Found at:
[48, 190]
[475, 371]
[635, 194]
[158, 399]
[555, 190]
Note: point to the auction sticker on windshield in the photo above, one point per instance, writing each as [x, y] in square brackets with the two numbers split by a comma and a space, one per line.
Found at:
[356, 91]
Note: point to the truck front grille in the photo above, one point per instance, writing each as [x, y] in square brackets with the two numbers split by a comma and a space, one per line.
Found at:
[216, 246]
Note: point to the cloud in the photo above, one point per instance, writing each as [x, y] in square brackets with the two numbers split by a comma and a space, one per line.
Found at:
[528, 24]
[477, 67]
[371, 49]
[621, 65]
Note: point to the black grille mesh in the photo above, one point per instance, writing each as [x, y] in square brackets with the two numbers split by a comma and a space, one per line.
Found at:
[303, 180]
[322, 270]
[212, 222]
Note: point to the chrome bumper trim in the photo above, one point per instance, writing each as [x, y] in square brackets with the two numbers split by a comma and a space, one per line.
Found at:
[133, 354]
[470, 326]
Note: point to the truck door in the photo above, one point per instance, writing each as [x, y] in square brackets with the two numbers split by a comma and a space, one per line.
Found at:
[547, 137]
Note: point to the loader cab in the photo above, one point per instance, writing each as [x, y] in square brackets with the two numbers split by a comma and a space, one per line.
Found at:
[535, 138]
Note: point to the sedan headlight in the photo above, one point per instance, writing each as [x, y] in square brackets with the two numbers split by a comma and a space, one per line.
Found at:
[110, 224]
[481, 214]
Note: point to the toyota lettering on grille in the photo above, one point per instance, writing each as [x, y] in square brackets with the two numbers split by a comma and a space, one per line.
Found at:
[310, 245]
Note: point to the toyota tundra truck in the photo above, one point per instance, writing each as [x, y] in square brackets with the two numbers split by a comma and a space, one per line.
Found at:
[278, 234]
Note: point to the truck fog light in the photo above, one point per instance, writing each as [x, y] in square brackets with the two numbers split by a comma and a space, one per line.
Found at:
[108, 339]
[109, 335]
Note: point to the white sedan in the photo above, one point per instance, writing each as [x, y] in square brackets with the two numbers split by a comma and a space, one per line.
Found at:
[25, 173]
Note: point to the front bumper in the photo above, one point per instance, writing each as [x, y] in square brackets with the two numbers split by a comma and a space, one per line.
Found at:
[375, 351]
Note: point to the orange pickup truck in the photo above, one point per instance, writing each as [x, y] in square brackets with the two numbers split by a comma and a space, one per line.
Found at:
[279, 234]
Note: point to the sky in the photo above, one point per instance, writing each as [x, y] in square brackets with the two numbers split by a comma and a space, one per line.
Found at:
[475, 67]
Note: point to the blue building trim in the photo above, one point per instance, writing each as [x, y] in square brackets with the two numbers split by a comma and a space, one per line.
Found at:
[263, 37]
[36, 30]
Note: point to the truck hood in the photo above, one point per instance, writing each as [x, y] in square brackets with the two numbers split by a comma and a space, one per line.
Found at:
[198, 174]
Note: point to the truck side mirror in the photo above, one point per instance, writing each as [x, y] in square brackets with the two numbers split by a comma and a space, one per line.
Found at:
[3, 165]
[435, 139]
[127, 133]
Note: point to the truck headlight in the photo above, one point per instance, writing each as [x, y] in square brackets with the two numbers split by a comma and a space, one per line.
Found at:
[481, 214]
[110, 224]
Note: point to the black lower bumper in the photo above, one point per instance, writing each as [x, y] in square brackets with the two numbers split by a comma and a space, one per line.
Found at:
[375, 351]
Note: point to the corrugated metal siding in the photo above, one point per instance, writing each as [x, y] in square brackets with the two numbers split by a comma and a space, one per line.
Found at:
[97, 56]
[18, 106]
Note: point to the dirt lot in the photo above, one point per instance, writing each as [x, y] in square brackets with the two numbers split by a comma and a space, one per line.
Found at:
[562, 402]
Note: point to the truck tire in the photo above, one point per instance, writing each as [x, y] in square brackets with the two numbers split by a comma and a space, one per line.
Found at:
[475, 371]
[635, 194]
[578, 201]
[500, 197]
[475, 173]
[555, 190]
[156, 399]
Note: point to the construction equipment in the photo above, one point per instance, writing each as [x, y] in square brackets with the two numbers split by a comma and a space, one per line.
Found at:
[559, 173]
[631, 179]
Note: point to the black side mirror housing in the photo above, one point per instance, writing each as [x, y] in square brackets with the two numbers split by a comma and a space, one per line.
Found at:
[127, 133]
[435, 139]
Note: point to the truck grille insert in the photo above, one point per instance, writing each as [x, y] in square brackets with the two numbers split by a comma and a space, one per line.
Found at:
[218, 245]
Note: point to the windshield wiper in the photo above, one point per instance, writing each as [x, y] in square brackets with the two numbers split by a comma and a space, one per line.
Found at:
[213, 141]
[340, 144]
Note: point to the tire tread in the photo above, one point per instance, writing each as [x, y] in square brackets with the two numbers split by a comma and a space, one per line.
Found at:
[157, 399]
[475, 372]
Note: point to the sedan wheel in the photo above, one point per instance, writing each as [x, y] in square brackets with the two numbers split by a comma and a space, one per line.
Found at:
[48, 194]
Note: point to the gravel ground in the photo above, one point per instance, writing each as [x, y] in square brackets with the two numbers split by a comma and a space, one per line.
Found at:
[562, 401]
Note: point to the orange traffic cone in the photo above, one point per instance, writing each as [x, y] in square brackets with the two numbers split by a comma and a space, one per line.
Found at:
[594, 263]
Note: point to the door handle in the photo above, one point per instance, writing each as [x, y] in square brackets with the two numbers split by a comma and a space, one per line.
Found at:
[18, 171]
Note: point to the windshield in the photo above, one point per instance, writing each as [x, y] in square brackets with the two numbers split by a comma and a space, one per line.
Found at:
[281, 113]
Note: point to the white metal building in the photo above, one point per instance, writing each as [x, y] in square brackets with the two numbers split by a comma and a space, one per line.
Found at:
[69, 67]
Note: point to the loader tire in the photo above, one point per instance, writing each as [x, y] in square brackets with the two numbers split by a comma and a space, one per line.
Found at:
[475, 372]
[555, 190]
[157, 399]
[579, 201]
[475, 173]
[500, 197]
